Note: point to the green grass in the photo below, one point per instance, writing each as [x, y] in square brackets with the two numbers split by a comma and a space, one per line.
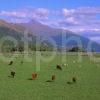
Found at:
[21, 88]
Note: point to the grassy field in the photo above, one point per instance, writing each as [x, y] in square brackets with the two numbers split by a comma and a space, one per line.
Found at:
[22, 88]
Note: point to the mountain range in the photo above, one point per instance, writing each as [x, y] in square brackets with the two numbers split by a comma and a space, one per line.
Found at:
[37, 29]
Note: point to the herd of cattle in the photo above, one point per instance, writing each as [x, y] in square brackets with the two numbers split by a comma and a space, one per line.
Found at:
[53, 77]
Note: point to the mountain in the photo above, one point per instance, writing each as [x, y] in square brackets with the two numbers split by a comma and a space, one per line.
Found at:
[41, 29]
[56, 34]
[12, 26]
[36, 29]
[10, 32]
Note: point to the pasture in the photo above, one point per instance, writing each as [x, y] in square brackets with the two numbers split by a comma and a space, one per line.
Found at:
[22, 87]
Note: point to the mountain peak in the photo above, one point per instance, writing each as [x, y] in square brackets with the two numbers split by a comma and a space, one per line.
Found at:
[34, 22]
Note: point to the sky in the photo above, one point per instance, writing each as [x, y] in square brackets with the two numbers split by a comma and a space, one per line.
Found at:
[79, 16]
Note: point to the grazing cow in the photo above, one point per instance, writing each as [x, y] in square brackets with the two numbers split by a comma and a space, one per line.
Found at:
[13, 74]
[74, 79]
[11, 62]
[59, 67]
[53, 77]
[34, 76]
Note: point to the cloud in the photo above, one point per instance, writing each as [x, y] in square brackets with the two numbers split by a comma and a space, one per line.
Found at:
[27, 13]
[81, 19]
[13, 14]
[81, 10]
[67, 12]
[88, 10]
[82, 15]
[41, 12]
[72, 20]
[69, 21]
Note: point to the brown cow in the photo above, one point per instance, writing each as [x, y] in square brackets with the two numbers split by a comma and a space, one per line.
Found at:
[34, 76]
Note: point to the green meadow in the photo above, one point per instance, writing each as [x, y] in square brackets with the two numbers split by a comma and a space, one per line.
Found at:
[87, 73]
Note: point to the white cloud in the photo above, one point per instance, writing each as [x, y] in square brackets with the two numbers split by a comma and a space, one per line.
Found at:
[13, 14]
[81, 10]
[67, 12]
[88, 10]
[33, 13]
[72, 20]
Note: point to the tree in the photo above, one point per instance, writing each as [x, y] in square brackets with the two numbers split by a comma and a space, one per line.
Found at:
[76, 49]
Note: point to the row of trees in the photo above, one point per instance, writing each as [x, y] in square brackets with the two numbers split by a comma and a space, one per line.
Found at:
[9, 47]
[20, 48]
